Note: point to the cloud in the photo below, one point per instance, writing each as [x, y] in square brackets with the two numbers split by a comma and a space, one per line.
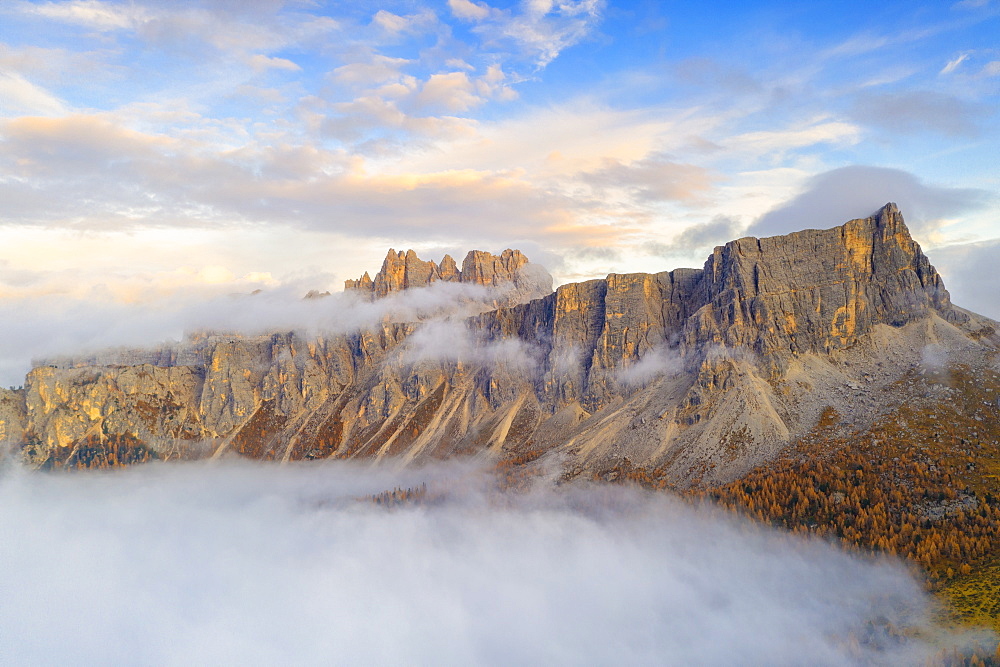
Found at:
[834, 197]
[775, 143]
[386, 99]
[467, 10]
[915, 111]
[117, 171]
[24, 97]
[262, 63]
[706, 235]
[239, 563]
[380, 116]
[451, 92]
[719, 230]
[969, 273]
[93, 14]
[378, 70]
[43, 323]
[541, 29]
[203, 30]
[411, 23]
[953, 64]
[132, 178]
[655, 179]
[451, 341]
[653, 365]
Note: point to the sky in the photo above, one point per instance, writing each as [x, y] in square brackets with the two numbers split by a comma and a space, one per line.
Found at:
[250, 563]
[154, 151]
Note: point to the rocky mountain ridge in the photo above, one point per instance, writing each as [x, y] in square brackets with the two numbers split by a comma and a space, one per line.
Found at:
[512, 276]
[700, 373]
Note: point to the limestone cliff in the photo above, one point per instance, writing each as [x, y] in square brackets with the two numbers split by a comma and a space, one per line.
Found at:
[701, 373]
[12, 414]
[816, 291]
[513, 278]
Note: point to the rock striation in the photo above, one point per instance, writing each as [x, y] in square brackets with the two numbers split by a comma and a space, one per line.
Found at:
[701, 373]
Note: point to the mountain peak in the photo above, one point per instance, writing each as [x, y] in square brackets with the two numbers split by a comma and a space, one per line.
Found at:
[405, 270]
[694, 372]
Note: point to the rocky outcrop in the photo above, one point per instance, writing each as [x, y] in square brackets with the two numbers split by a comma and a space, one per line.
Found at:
[12, 415]
[702, 373]
[510, 275]
[816, 291]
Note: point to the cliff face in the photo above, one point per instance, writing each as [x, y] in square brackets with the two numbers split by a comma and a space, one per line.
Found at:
[817, 291]
[513, 278]
[12, 414]
[700, 372]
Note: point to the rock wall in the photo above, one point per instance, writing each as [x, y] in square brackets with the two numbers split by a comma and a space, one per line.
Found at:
[816, 291]
[511, 276]
[684, 369]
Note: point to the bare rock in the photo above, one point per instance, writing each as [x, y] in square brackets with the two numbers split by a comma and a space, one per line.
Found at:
[700, 372]
[510, 274]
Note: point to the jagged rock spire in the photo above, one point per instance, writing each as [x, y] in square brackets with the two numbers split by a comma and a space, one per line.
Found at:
[405, 270]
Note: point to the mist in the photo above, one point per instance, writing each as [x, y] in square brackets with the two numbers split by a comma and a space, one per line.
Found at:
[41, 327]
[259, 564]
[654, 364]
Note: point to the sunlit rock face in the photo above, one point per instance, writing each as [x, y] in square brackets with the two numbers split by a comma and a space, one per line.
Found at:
[516, 280]
[816, 291]
[700, 373]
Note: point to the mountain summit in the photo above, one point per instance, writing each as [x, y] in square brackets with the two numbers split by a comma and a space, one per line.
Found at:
[700, 374]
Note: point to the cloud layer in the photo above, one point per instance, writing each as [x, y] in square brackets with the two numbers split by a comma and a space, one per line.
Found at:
[836, 196]
[969, 271]
[259, 565]
[43, 327]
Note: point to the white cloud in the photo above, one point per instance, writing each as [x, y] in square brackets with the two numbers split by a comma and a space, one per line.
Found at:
[544, 29]
[259, 564]
[108, 311]
[538, 30]
[452, 92]
[381, 113]
[91, 13]
[203, 30]
[969, 273]
[262, 63]
[468, 10]
[389, 21]
[449, 341]
[653, 365]
[774, 143]
[23, 97]
[379, 69]
[411, 23]
[953, 64]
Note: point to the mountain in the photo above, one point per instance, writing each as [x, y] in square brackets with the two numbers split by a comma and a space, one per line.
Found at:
[513, 277]
[698, 375]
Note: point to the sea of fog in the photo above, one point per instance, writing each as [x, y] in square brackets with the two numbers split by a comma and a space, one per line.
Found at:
[181, 564]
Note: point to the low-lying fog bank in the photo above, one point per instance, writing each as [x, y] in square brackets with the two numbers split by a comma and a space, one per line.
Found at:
[260, 564]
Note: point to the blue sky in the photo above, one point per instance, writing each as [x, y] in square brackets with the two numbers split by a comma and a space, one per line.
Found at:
[150, 148]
